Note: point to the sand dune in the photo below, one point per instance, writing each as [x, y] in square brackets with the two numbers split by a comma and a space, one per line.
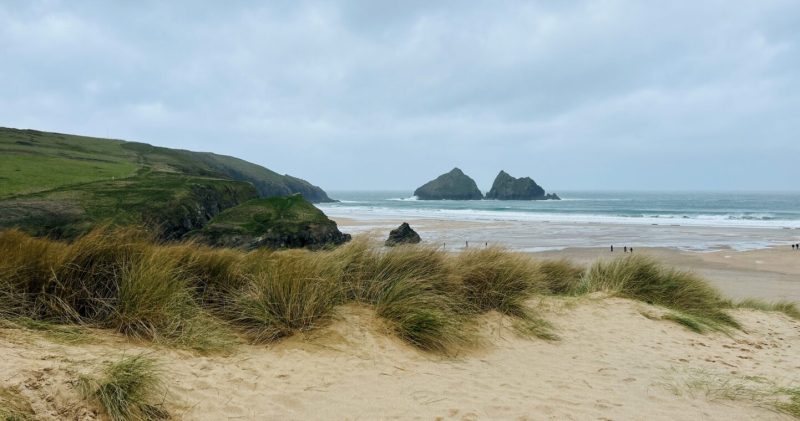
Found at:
[615, 360]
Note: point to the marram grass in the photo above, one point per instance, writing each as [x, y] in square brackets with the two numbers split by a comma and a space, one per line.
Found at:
[786, 307]
[641, 278]
[289, 294]
[130, 389]
[193, 296]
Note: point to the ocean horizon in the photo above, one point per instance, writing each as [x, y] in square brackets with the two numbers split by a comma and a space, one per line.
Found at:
[692, 221]
[733, 209]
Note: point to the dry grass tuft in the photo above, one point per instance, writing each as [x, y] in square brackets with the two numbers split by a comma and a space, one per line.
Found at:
[13, 407]
[289, 294]
[129, 389]
[421, 315]
[496, 279]
[786, 307]
[562, 277]
[643, 279]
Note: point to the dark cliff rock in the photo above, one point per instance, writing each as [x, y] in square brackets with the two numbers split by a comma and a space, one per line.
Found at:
[170, 204]
[454, 185]
[506, 187]
[275, 222]
[402, 235]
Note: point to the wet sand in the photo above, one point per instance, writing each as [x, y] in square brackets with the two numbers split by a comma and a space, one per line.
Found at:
[771, 273]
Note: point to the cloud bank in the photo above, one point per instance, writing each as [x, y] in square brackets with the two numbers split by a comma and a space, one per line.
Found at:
[609, 94]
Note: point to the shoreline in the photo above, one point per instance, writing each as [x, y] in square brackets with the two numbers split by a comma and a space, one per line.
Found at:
[769, 272]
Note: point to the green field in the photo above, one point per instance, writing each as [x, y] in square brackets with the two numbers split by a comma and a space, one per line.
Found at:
[63, 185]
[33, 161]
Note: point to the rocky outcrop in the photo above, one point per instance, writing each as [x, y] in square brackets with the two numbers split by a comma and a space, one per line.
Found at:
[402, 235]
[454, 185]
[506, 187]
[170, 204]
[196, 209]
[275, 222]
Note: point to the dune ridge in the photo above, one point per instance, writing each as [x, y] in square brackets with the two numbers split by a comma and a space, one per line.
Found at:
[615, 360]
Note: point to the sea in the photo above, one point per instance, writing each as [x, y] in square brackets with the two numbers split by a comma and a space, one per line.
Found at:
[700, 221]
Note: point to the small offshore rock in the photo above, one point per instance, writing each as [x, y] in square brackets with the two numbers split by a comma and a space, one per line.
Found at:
[402, 235]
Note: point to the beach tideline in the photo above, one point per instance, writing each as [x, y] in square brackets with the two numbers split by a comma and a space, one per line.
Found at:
[400, 333]
[770, 272]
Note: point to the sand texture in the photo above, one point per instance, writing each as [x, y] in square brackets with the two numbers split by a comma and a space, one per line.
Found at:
[615, 360]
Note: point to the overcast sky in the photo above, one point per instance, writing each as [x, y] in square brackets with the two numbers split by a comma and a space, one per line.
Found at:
[642, 95]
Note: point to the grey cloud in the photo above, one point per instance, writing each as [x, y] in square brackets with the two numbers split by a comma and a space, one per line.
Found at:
[609, 94]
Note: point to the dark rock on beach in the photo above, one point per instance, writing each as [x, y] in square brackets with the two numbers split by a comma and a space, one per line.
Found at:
[506, 187]
[402, 235]
[454, 185]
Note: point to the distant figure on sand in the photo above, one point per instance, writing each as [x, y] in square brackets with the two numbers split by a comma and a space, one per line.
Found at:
[631, 249]
[625, 249]
[612, 248]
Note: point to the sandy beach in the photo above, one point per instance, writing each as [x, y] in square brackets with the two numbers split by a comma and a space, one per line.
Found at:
[771, 273]
[614, 361]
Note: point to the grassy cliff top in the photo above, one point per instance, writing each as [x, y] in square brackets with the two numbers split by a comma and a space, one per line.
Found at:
[256, 216]
[33, 161]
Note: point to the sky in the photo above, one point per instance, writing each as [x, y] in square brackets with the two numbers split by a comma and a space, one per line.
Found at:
[370, 95]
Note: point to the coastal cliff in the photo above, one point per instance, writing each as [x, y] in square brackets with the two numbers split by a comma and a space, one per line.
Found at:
[275, 222]
[506, 187]
[454, 185]
[63, 186]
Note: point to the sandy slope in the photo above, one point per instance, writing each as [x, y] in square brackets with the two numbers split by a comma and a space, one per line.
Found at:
[614, 361]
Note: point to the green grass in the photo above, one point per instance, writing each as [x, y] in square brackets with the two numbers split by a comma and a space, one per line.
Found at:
[759, 391]
[786, 307]
[32, 161]
[63, 333]
[641, 278]
[129, 389]
[170, 203]
[562, 277]
[422, 316]
[192, 296]
[285, 214]
[790, 404]
[62, 186]
[290, 294]
[35, 161]
[21, 174]
[494, 279]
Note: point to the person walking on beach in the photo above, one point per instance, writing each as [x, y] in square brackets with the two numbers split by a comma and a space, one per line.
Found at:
[612, 248]
[631, 249]
[625, 249]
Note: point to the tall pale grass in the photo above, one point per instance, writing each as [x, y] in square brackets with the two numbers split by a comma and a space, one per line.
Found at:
[198, 297]
[131, 389]
[289, 293]
[641, 278]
